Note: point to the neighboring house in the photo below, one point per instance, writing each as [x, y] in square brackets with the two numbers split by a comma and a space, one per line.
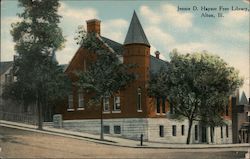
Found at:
[10, 109]
[241, 119]
[6, 76]
[132, 112]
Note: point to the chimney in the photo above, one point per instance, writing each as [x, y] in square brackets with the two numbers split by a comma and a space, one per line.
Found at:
[93, 25]
[157, 54]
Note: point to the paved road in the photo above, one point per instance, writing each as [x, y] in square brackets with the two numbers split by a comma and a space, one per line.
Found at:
[17, 143]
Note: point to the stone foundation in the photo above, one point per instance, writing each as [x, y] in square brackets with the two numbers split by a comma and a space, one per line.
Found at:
[132, 128]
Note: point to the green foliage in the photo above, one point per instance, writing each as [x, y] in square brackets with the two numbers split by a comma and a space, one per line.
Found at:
[107, 74]
[199, 86]
[39, 79]
[200, 83]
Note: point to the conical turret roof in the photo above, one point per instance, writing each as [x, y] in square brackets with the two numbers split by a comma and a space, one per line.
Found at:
[135, 32]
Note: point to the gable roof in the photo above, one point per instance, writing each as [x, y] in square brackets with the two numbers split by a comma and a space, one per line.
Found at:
[117, 47]
[135, 32]
[4, 66]
[243, 99]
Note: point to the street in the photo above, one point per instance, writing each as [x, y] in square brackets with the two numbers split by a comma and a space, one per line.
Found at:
[17, 143]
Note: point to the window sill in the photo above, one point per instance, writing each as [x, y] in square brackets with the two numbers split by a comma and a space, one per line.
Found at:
[106, 112]
[139, 111]
[70, 110]
[116, 111]
[158, 114]
[80, 108]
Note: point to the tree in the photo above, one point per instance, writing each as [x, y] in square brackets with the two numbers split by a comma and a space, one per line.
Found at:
[198, 85]
[105, 76]
[37, 37]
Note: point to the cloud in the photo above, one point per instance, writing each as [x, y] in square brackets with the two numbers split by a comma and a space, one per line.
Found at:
[7, 50]
[114, 29]
[77, 14]
[168, 14]
[71, 19]
[156, 34]
[178, 19]
[235, 18]
[7, 45]
[145, 11]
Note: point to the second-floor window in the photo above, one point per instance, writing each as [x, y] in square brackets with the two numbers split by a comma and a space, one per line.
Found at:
[171, 107]
[117, 103]
[106, 104]
[158, 105]
[139, 99]
[163, 105]
[80, 101]
[70, 102]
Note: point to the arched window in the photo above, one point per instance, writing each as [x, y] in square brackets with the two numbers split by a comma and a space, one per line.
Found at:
[139, 99]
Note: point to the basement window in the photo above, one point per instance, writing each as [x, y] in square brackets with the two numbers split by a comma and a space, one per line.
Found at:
[117, 129]
[173, 130]
[106, 129]
[161, 131]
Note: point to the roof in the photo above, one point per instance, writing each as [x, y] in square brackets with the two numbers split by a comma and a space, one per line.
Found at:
[117, 47]
[155, 64]
[135, 32]
[243, 99]
[4, 66]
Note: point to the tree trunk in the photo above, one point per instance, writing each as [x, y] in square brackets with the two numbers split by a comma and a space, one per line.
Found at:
[190, 123]
[40, 114]
[101, 135]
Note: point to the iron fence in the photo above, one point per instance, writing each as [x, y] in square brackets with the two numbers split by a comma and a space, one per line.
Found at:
[18, 117]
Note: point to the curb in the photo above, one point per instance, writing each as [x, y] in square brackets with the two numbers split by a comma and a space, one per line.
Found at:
[114, 143]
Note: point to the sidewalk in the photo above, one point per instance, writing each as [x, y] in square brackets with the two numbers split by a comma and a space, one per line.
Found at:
[115, 141]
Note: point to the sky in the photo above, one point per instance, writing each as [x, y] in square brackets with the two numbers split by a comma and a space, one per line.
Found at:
[165, 27]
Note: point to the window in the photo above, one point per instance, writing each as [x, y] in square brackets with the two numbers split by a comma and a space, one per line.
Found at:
[80, 101]
[158, 105]
[163, 105]
[221, 132]
[106, 129]
[106, 104]
[117, 103]
[183, 130]
[8, 78]
[227, 131]
[161, 131]
[139, 99]
[117, 129]
[226, 110]
[171, 106]
[70, 102]
[173, 130]
[196, 132]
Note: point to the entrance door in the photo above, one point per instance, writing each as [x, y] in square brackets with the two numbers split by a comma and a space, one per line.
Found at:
[203, 134]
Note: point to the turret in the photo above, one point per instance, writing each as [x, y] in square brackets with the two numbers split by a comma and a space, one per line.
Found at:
[137, 51]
